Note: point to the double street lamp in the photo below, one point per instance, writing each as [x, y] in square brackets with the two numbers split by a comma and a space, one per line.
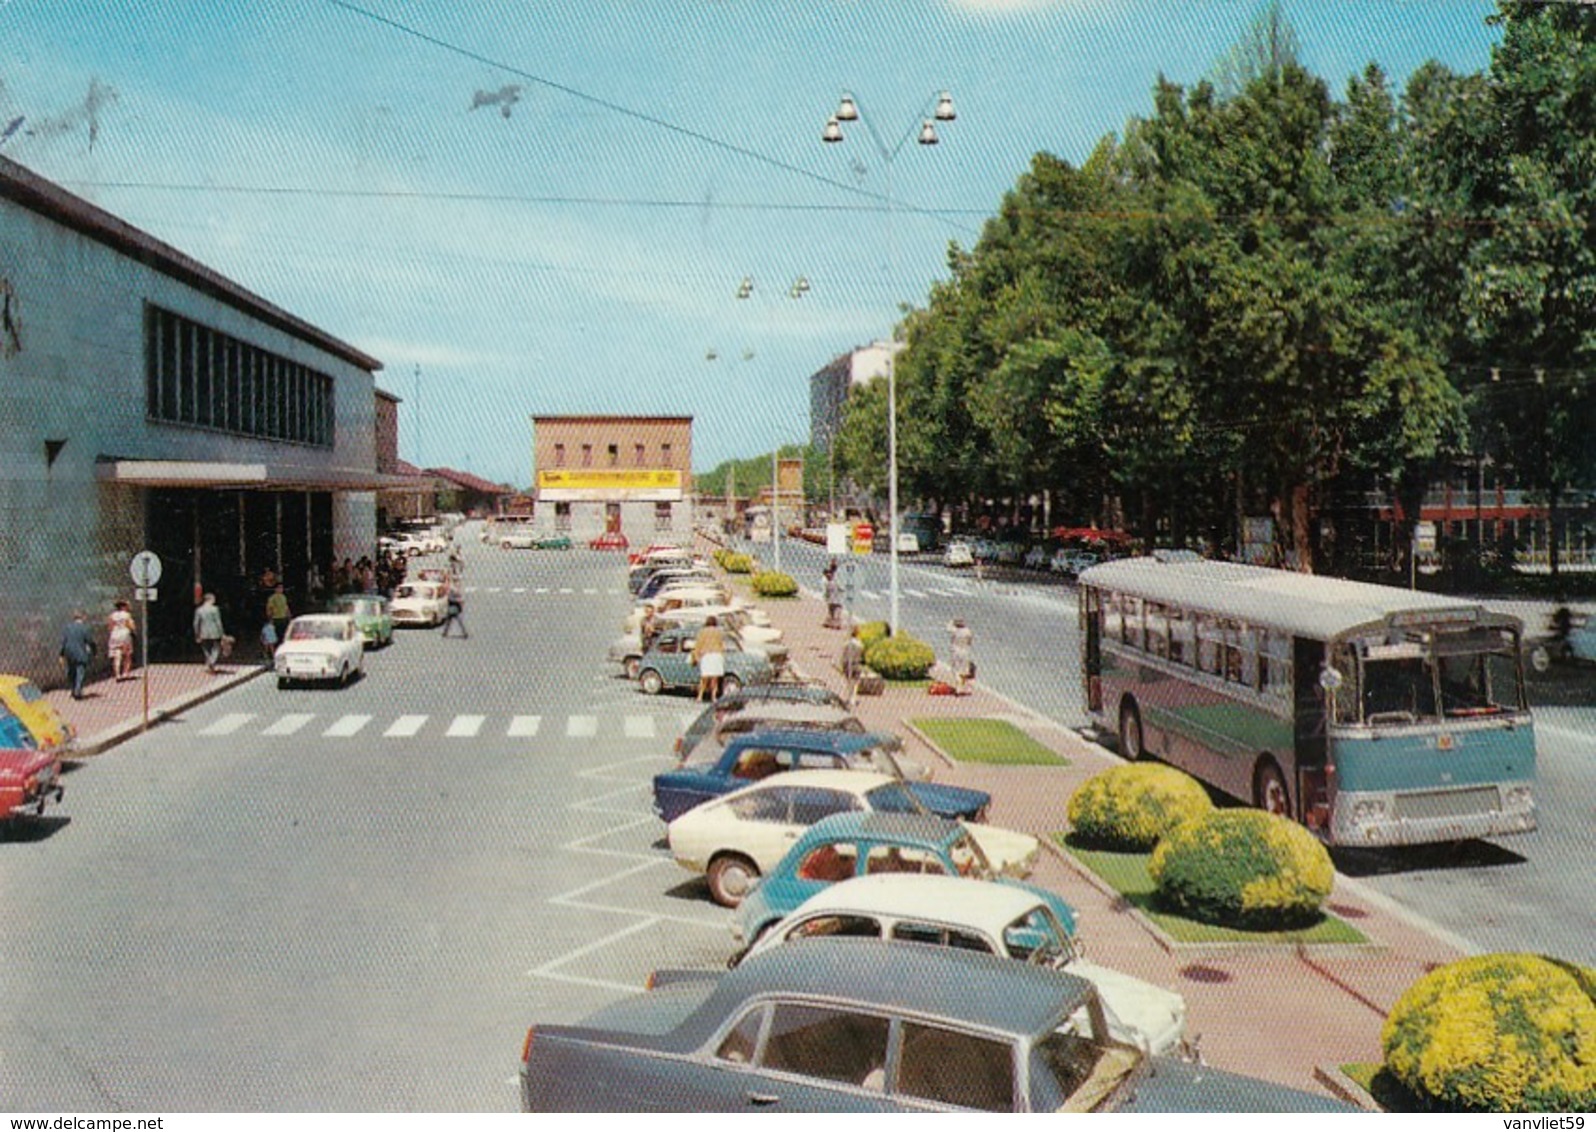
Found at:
[849, 110]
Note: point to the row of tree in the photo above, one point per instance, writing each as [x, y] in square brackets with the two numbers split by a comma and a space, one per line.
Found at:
[1260, 299]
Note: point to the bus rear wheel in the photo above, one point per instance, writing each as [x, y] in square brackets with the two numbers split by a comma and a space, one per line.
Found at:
[1131, 745]
[1269, 791]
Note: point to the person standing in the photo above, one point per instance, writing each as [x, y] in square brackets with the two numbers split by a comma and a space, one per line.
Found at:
[963, 643]
[709, 655]
[208, 630]
[454, 606]
[119, 628]
[277, 613]
[833, 597]
[77, 649]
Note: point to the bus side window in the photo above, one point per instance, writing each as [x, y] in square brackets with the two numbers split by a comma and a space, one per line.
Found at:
[1180, 647]
[1274, 664]
[1132, 635]
[1113, 617]
[1210, 645]
[1157, 630]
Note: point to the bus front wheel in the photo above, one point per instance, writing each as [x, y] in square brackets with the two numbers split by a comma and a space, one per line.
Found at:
[1131, 746]
[1269, 792]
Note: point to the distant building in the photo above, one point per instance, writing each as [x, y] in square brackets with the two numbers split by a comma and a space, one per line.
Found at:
[467, 493]
[830, 385]
[596, 473]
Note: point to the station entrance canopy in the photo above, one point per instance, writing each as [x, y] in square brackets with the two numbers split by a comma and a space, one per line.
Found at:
[228, 474]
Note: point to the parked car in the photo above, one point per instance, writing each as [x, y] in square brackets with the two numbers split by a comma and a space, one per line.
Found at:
[705, 737]
[552, 542]
[908, 542]
[371, 616]
[1070, 561]
[792, 691]
[658, 550]
[712, 596]
[627, 649]
[669, 664]
[1036, 557]
[23, 699]
[853, 844]
[406, 543]
[654, 582]
[740, 836]
[29, 780]
[517, 536]
[14, 734]
[419, 603]
[609, 540]
[829, 1025]
[984, 550]
[958, 553]
[758, 754]
[1009, 553]
[320, 647]
[977, 915]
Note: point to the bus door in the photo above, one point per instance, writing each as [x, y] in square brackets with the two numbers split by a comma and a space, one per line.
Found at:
[1309, 720]
[1092, 647]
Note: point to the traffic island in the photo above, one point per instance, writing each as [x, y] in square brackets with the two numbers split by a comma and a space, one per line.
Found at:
[994, 742]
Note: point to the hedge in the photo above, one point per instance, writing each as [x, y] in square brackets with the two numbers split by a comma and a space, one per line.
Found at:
[769, 583]
[737, 563]
[1242, 869]
[1130, 807]
[872, 631]
[900, 658]
[1497, 1033]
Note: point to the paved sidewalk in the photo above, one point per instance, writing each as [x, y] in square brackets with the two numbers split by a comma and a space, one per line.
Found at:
[1286, 1014]
[113, 711]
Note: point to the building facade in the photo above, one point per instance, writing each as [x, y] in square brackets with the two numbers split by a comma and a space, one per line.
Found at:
[631, 474]
[149, 403]
[830, 385]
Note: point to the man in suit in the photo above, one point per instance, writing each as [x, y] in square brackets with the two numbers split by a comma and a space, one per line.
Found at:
[77, 649]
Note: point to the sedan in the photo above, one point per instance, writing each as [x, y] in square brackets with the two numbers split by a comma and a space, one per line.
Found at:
[321, 647]
[420, 603]
[736, 838]
[552, 542]
[843, 1025]
[609, 540]
[371, 617]
[957, 554]
[977, 915]
[669, 665]
[23, 699]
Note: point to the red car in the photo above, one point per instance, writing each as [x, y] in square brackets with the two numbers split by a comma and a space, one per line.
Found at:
[609, 540]
[28, 779]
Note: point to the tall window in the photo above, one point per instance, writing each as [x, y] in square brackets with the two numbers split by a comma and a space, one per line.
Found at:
[614, 454]
[665, 456]
[587, 455]
[637, 455]
[559, 455]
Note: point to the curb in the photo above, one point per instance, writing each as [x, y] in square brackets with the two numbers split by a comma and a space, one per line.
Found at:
[1345, 1088]
[102, 741]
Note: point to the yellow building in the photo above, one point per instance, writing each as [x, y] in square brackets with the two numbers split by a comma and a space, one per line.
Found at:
[631, 474]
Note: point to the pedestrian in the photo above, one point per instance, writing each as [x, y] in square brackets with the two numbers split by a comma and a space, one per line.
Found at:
[208, 632]
[709, 656]
[649, 628]
[454, 606]
[852, 663]
[456, 561]
[963, 662]
[119, 628]
[277, 615]
[833, 597]
[77, 649]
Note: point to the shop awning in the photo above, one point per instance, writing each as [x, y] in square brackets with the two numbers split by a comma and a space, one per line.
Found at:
[263, 477]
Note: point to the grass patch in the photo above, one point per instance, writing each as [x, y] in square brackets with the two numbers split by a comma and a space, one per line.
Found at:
[1127, 874]
[993, 741]
[1389, 1093]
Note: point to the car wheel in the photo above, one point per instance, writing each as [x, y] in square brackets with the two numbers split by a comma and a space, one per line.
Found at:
[282, 682]
[1269, 791]
[634, 665]
[1132, 745]
[731, 875]
[343, 676]
[651, 682]
[730, 685]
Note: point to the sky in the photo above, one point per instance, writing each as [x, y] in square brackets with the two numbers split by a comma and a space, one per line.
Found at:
[528, 208]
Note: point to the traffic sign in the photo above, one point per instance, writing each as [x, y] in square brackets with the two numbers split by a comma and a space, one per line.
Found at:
[145, 568]
[144, 593]
[863, 538]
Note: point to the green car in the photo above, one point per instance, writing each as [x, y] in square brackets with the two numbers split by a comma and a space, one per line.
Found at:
[553, 542]
[371, 617]
[668, 665]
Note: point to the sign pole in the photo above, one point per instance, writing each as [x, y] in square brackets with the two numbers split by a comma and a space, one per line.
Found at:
[144, 652]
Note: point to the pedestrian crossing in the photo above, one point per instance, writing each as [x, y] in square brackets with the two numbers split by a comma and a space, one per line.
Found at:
[356, 725]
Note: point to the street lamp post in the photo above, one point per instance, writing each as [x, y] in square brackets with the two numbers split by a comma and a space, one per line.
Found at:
[745, 290]
[848, 110]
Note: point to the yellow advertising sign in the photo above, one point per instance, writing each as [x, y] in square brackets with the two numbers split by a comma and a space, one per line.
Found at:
[613, 479]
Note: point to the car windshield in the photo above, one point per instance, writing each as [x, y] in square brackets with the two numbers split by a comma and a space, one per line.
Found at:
[1083, 1061]
[880, 758]
[29, 691]
[360, 608]
[413, 591]
[316, 631]
[969, 860]
[894, 798]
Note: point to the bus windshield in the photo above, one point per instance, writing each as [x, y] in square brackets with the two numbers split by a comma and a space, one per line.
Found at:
[1441, 676]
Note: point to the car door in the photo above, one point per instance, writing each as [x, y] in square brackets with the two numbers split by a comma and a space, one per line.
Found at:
[809, 1057]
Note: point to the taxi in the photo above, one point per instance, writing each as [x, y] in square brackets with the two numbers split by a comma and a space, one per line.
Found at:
[23, 699]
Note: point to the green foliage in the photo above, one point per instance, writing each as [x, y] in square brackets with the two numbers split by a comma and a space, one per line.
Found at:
[1244, 869]
[872, 631]
[1497, 1033]
[735, 563]
[1130, 807]
[900, 658]
[769, 583]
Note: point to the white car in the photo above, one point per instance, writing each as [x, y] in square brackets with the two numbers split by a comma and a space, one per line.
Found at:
[320, 647]
[958, 553]
[627, 649]
[979, 915]
[908, 542]
[419, 603]
[689, 599]
[517, 536]
[759, 823]
[406, 544]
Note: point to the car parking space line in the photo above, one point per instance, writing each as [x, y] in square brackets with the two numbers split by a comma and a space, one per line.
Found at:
[288, 724]
[620, 874]
[404, 727]
[566, 590]
[464, 726]
[638, 727]
[581, 726]
[524, 726]
[913, 593]
[870, 594]
[519, 590]
[346, 727]
[541, 590]
[228, 723]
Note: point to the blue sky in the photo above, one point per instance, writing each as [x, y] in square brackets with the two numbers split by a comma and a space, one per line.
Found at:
[582, 253]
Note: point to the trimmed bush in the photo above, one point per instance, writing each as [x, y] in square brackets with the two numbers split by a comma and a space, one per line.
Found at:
[769, 583]
[1497, 1033]
[737, 564]
[872, 631]
[1242, 869]
[1131, 807]
[900, 658]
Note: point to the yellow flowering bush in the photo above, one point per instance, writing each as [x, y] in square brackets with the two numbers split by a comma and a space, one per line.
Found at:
[736, 563]
[872, 631]
[1131, 807]
[900, 658]
[1497, 1033]
[770, 583]
[1242, 869]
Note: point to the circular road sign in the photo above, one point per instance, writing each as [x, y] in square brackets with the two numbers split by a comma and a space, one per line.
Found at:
[145, 568]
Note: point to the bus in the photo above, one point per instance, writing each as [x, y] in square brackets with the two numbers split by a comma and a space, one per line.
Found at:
[1374, 716]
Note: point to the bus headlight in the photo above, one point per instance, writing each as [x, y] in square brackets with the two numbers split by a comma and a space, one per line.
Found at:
[1519, 798]
[1368, 809]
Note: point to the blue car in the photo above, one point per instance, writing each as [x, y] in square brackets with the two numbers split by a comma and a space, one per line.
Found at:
[754, 755]
[865, 844]
[14, 734]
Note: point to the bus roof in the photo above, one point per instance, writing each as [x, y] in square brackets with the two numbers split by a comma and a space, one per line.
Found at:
[1304, 605]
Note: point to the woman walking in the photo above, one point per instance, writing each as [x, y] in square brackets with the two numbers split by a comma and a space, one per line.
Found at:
[119, 641]
[962, 640]
[709, 654]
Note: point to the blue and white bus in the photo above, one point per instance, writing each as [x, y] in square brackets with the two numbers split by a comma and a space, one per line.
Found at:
[1375, 716]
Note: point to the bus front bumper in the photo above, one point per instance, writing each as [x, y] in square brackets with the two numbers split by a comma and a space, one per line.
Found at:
[1428, 816]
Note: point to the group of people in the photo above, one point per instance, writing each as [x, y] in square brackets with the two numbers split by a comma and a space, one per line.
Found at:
[369, 575]
[78, 646]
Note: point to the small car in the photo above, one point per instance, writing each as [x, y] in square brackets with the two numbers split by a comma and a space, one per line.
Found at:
[706, 736]
[29, 780]
[627, 649]
[517, 536]
[609, 540]
[1010, 552]
[758, 754]
[669, 664]
[419, 603]
[320, 647]
[649, 584]
[552, 542]
[1036, 558]
[371, 616]
[736, 838]
[957, 554]
[790, 691]
[849, 844]
[847, 1025]
[977, 915]
[407, 544]
[908, 542]
[14, 734]
[984, 550]
[23, 699]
